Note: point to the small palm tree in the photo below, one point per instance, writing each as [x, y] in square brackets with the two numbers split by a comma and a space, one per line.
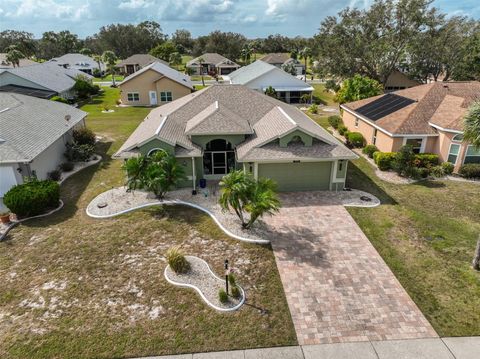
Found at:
[98, 60]
[263, 200]
[471, 124]
[201, 61]
[110, 59]
[270, 91]
[246, 54]
[235, 192]
[14, 55]
[305, 53]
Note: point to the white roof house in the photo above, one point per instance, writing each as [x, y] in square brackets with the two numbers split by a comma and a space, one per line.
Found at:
[260, 75]
[79, 62]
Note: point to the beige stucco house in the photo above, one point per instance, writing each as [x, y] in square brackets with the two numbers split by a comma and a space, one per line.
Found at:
[429, 117]
[155, 84]
[212, 62]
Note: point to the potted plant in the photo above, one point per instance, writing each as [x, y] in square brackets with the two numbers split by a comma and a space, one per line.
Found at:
[5, 217]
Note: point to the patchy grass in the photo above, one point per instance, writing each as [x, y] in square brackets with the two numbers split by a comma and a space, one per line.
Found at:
[426, 232]
[108, 78]
[199, 87]
[327, 98]
[75, 287]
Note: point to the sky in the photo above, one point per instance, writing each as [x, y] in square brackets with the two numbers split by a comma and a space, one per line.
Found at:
[253, 18]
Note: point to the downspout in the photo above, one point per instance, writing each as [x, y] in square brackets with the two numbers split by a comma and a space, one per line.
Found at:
[194, 176]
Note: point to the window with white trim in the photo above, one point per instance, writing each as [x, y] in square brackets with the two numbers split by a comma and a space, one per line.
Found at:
[374, 138]
[472, 155]
[416, 144]
[458, 138]
[166, 96]
[133, 96]
[453, 153]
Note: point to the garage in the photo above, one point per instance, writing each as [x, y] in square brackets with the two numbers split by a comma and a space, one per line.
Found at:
[301, 176]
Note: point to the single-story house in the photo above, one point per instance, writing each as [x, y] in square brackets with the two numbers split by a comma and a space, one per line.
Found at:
[259, 76]
[43, 80]
[80, 62]
[155, 84]
[399, 81]
[226, 127]
[4, 64]
[33, 136]
[212, 62]
[280, 59]
[136, 62]
[429, 117]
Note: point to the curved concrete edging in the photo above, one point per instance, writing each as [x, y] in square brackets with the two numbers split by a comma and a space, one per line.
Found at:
[186, 285]
[14, 223]
[203, 209]
[89, 164]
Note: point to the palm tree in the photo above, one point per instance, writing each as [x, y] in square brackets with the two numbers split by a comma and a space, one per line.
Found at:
[305, 53]
[201, 61]
[86, 51]
[254, 46]
[263, 200]
[110, 59]
[14, 55]
[246, 53]
[235, 188]
[471, 124]
[175, 59]
[270, 91]
[98, 60]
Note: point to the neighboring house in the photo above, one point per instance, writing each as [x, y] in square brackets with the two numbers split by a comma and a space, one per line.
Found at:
[399, 81]
[33, 135]
[41, 80]
[154, 85]
[280, 59]
[4, 64]
[226, 127]
[259, 76]
[429, 117]
[212, 62]
[137, 62]
[79, 62]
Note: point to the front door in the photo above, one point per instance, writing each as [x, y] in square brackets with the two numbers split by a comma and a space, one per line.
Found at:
[153, 97]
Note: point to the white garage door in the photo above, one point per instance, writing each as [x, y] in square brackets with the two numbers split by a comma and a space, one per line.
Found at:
[7, 179]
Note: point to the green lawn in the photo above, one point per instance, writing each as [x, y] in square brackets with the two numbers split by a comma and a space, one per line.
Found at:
[75, 287]
[326, 97]
[426, 232]
[108, 78]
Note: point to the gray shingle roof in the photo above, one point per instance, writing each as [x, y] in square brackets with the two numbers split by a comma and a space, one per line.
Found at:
[140, 59]
[29, 125]
[220, 107]
[212, 58]
[164, 70]
[78, 61]
[47, 75]
[4, 64]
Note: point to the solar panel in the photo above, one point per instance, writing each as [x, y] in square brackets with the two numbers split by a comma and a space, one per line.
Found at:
[45, 94]
[384, 106]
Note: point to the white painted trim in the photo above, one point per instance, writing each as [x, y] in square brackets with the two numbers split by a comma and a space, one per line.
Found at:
[302, 160]
[286, 115]
[155, 149]
[458, 154]
[186, 285]
[422, 145]
[194, 174]
[161, 125]
[333, 171]
[445, 129]
[176, 202]
[465, 154]
[255, 171]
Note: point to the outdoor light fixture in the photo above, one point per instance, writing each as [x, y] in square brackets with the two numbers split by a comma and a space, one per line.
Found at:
[226, 275]
[19, 170]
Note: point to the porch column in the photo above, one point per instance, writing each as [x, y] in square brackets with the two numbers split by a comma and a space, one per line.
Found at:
[194, 174]
[255, 171]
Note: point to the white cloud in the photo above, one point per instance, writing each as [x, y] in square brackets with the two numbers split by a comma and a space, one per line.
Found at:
[135, 4]
[46, 9]
[195, 10]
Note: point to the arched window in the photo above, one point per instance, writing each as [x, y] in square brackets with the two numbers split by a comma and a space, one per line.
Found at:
[296, 140]
[458, 138]
[153, 150]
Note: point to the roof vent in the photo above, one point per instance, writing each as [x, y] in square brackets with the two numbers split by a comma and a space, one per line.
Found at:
[67, 117]
[445, 86]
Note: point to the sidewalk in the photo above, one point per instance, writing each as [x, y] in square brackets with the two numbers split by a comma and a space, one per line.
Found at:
[441, 348]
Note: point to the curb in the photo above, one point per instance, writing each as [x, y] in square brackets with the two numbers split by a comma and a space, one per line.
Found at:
[186, 285]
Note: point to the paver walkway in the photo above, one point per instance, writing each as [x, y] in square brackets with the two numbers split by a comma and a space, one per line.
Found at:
[337, 286]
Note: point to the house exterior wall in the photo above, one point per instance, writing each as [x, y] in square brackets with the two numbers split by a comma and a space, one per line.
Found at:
[156, 144]
[306, 139]
[203, 140]
[398, 80]
[149, 81]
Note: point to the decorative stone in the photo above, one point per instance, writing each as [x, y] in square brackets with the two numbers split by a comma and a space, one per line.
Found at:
[102, 205]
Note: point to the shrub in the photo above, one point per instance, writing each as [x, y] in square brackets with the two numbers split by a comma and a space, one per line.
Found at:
[235, 292]
[78, 153]
[437, 171]
[335, 121]
[447, 168]
[32, 198]
[67, 166]
[369, 150]
[232, 280]
[384, 160]
[54, 175]
[222, 296]
[84, 87]
[313, 108]
[58, 99]
[177, 261]
[470, 170]
[426, 160]
[404, 161]
[342, 130]
[331, 85]
[355, 139]
[83, 136]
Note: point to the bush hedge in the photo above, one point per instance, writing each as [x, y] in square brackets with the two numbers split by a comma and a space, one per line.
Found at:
[355, 139]
[54, 175]
[79, 153]
[83, 136]
[426, 160]
[470, 170]
[447, 168]
[67, 166]
[335, 121]
[342, 130]
[32, 198]
[384, 160]
[369, 150]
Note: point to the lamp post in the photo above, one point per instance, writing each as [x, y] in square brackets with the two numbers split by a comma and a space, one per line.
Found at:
[226, 275]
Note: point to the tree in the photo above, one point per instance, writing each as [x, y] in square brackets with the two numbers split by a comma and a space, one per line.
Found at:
[371, 42]
[175, 59]
[84, 88]
[110, 59]
[358, 88]
[228, 44]
[183, 41]
[163, 51]
[246, 54]
[55, 44]
[240, 192]
[290, 68]
[471, 124]
[86, 51]
[23, 41]
[270, 91]
[98, 60]
[158, 173]
[14, 55]
[201, 61]
[305, 53]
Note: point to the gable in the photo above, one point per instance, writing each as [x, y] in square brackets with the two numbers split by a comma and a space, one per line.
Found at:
[297, 134]
[277, 78]
[7, 78]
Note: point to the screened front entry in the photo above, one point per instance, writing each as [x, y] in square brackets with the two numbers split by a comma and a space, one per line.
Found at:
[218, 158]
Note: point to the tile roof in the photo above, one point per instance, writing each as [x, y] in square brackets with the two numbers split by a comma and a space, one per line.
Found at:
[212, 58]
[79, 61]
[164, 70]
[29, 125]
[441, 103]
[4, 64]
[140, 59]
[225, 108]
[276, 58]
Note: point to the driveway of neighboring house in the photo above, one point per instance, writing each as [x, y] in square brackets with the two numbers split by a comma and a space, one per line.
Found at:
[337, 286]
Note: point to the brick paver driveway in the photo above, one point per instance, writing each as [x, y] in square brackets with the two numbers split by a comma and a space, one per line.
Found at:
[338, 287]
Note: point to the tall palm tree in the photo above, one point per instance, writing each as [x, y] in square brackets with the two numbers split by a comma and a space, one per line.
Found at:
[246, 54]
[305, 53]
[201, 61]
[235, 188]
[471, 124]
[110, 59]
[98, 60]
[263, 200]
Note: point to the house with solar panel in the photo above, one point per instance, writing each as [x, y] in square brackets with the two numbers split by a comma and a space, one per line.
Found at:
[428, 117]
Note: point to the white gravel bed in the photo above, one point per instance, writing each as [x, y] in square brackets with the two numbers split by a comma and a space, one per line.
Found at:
[201, 278]
[355, 198]
[78, 166]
